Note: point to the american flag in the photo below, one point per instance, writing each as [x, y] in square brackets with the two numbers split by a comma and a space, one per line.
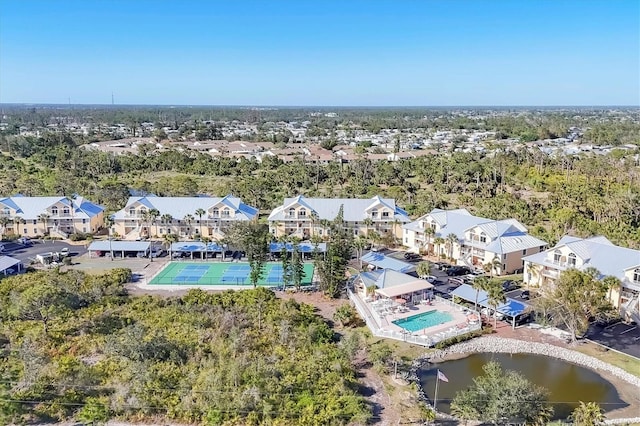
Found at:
[442, 377]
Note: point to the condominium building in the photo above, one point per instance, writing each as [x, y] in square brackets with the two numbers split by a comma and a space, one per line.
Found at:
[188, 217]
[54, 216]
[306, 217]
[471, 240]
[543, 269]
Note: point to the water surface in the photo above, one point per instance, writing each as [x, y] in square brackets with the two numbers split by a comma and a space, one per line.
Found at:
[567, 383]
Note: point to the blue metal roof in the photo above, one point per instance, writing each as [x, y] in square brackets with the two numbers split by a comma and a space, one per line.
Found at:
[302, 247]
[511, 308]
[379, 260]
[196, 246]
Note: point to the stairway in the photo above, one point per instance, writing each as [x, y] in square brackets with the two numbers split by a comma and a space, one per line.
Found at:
[630, 310]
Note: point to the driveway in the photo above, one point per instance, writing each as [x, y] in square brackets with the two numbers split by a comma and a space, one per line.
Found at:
[25, 253]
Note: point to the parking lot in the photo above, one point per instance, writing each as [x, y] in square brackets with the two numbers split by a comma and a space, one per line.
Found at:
[27, 252]
[619, 336]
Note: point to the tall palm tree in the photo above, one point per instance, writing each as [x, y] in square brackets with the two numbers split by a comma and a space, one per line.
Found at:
[535, 270]
[451, 240]
[188, 219]
[428, 232]
[359, 244]
[200, 212]
[4, 221]
[496, 264]
[153, 217]
[480, 283]
[367, 222]
[17, 221]
[145, 216]
[496, 297]
[44, 218]
[438, 241]
[168, 240]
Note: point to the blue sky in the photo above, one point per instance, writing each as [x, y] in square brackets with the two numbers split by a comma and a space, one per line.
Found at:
[369, 53]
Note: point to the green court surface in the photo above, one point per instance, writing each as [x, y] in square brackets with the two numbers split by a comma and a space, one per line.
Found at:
[222, 274]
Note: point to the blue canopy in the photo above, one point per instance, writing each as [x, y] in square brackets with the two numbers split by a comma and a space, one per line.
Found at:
[511, 308]
[302, 247]
[381, 261]
[196, 246]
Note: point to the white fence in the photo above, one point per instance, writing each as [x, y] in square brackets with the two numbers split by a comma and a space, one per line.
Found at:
[406, 336]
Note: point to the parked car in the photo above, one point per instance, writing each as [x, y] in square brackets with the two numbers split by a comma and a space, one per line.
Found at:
[455, 281]
[458, 270]
[431, 279]
[412, 256]
[64, 252]
[526, 294]
[443, 266]
[509, 285]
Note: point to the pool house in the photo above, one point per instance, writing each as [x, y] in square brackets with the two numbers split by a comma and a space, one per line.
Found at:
[403, 307]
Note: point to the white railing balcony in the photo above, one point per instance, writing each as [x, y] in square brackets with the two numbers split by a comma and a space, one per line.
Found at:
[550, 273]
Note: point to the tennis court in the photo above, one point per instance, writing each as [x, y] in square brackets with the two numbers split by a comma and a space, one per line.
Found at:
[223, 274]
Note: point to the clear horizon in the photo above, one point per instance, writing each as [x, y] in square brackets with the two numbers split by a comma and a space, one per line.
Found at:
[455, 53]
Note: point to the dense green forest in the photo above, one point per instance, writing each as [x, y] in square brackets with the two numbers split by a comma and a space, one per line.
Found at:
[76, 346]
[583, 195]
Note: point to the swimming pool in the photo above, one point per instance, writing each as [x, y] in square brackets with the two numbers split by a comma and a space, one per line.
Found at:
[424, 320]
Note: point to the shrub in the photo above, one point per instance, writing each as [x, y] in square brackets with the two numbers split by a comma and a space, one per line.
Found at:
[462, 338]
[79, 236]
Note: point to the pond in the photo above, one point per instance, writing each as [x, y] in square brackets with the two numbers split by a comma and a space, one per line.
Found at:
[567, 383]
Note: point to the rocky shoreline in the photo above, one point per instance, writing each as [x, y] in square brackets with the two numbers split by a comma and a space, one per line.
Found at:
[490, 344]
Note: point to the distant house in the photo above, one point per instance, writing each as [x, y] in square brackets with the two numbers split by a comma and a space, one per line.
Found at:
[472, 240]
[543, 269]
[56, 216]
[150, 215]
[305, 217]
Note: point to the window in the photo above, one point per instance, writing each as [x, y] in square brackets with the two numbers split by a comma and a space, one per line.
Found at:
[302, 213]
[473, 236]
[636, 275]
[524, 251]
[84, 229]
[6, 211]
[35, 222]
[292, 212]
[504, 256]
[84, 220]
[374, 214]
[355, 231]
[556, 256]
[216, 212]
[319, 231]
[24, 231]
[385, 214]
[483, 237]
[572, 259]
[65, 211]
[54, 211]
[225, 212]
[132, 211]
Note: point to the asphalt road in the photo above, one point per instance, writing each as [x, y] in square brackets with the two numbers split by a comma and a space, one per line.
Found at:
[25, 253]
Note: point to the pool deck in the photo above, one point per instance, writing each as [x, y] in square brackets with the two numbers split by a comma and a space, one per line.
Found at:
[380, 321]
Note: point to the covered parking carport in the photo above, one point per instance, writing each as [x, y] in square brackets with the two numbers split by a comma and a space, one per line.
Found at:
[513, 309]
[380, 261]
[10, 266]
[119, 248]
[307, 249]
[190, 248]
